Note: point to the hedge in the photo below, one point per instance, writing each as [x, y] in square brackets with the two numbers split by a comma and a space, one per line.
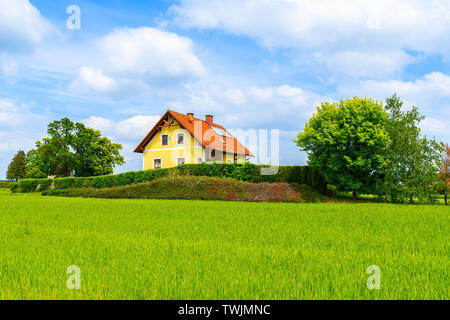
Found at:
[198, 188]
[309, 176]
[4, 184]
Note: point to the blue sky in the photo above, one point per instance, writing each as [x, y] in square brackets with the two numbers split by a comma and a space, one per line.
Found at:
[252, 64]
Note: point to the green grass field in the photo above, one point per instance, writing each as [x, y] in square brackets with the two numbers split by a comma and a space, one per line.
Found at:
[170, 249]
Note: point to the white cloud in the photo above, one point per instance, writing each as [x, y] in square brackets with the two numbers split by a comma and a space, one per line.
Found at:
[128, 133]
[288, 91]
[253, 107]
[8, 111]
[130, 61]
[10, 71]
[436, 127]
[151, 52]
[261, 94]
[17, 116]
[235, 96]
[20, 127]
[99, 123]
[431, 94]
[22, 27]
[327, 23]
[133, 128]
[137, 126]
[432, 87]
[353, 37]
[90, 79]
[366, 63]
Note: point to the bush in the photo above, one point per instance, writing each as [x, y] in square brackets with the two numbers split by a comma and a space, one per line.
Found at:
[252, 173]
[14, 187]
[248, 172]
[4, 184]
[44, 184]
[28, 185]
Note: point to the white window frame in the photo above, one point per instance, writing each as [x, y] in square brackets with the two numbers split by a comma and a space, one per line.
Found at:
[180, 134]
[162, 139]
[184, 158]
[160, 161]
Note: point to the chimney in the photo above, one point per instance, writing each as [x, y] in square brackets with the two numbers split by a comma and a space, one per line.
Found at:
[209, 119]
[190, 116]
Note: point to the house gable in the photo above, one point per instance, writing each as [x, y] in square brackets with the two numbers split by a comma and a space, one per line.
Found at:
[172, 133]
[203, 133]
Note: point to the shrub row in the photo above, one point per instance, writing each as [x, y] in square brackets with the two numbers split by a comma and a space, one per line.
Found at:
[106, 181]
[195, 188]
[4, 184]
[245, 172]
[310, 176]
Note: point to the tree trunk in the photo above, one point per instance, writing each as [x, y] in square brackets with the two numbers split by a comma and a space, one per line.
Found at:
[411, 199]
[355, 196]
[445, 198]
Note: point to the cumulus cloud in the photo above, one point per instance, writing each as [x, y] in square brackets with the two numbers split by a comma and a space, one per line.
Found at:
[133, 128]
[15, 116]
[22, 27]
[10, 71]
[128, 61]
[355, 63]
[343, 34]
[151, 52]
[20, 128]
[128, 133]
[254, 106]
[235, 96]
[431, 94]
[433, 87]
[90, 79]
[437, 128]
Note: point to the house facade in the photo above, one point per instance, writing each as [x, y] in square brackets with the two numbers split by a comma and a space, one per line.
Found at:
[178, 139]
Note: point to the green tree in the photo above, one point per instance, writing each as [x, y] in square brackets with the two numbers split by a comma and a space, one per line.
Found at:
[16, 169]
[413, 159]
[73, 149]
[444, 174]
[347, 141]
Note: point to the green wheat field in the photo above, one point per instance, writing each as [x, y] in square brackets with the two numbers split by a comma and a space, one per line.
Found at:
[169, 249]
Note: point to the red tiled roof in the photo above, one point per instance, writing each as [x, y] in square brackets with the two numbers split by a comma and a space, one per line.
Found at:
[202, 132]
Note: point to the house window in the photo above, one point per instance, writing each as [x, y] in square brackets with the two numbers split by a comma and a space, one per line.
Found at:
[156, 163]
[180, 138]
[181, 161]
[164, 139]
[212, 156]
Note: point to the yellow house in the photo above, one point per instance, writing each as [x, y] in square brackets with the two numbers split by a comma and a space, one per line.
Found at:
[178, 139]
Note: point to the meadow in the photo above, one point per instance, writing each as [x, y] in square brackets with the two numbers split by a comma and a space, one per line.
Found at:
[187, 249]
